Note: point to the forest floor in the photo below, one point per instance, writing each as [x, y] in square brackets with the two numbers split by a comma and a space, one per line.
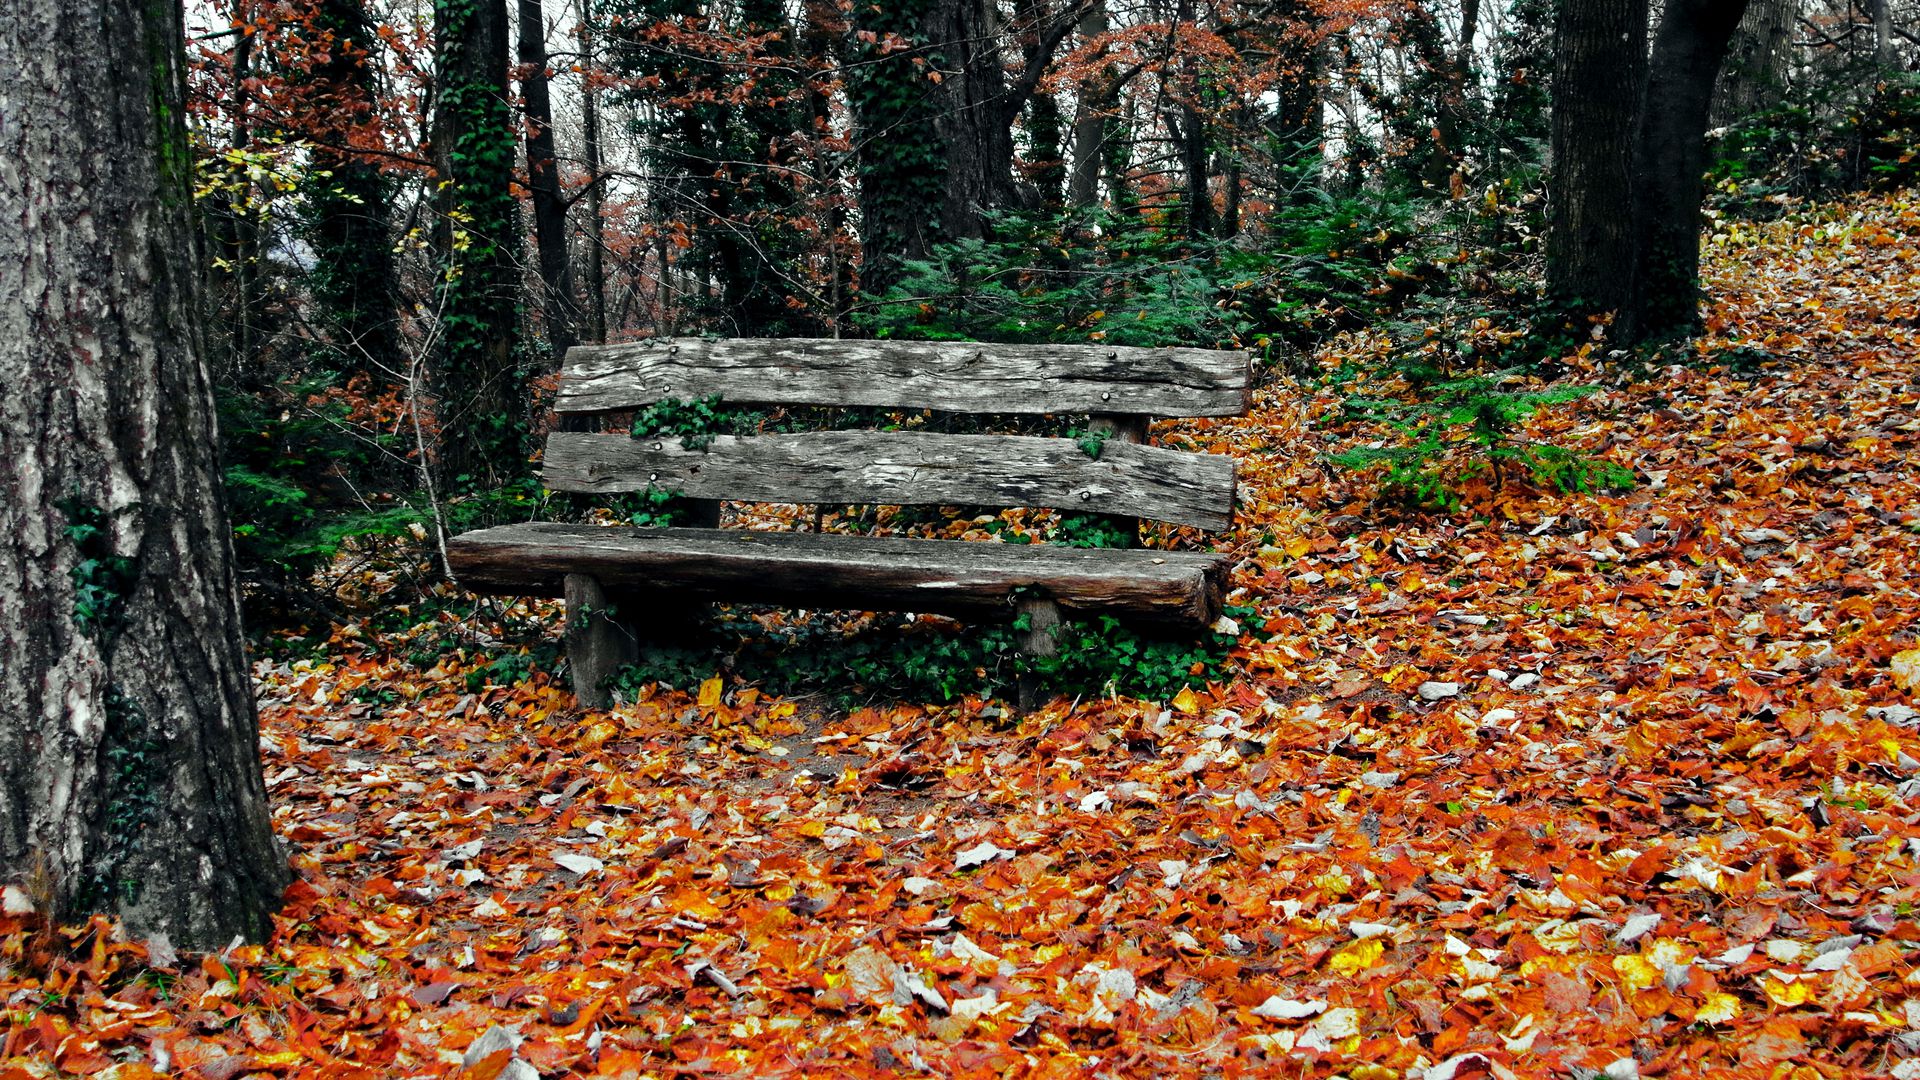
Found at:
[1619, 785]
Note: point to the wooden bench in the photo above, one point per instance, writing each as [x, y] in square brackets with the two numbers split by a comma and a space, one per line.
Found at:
[646, 573]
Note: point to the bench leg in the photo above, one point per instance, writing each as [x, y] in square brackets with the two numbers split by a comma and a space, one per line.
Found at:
[599, 641]
[1043, 618]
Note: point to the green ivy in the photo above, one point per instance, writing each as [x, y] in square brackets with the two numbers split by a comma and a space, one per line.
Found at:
[480, 288]
[1094, 531]
[911, 660]
[695, 423]
[101, 578]
[902, 165]
[131, 801]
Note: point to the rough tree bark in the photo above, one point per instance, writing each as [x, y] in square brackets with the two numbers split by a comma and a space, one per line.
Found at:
[129, 772]
[1600, 61]
[590, 138]
[350, 230]
[973, 112]
[480, 399]
[1095, 98]
[1670, 162]
[1757, 59]
[543, 181]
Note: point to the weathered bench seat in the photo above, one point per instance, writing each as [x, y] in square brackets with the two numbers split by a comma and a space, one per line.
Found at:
[873, 573]
[621, 582]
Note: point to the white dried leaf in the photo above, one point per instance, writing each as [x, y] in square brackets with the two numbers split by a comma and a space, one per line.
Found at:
[979, 855]
[1279, 1008]
[581, 865]
[1637, 927]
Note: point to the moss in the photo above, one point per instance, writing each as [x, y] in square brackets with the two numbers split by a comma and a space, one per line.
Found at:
[131, 761]
[172, 160]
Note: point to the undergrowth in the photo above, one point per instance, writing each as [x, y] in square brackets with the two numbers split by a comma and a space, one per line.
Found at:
[1447, 397]
[918, 658]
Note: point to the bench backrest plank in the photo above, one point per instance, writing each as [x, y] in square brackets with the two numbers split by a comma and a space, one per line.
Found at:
[906, 468]
[966, 377]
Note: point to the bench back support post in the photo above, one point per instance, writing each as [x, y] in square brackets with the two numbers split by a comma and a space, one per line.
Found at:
[1126, 429]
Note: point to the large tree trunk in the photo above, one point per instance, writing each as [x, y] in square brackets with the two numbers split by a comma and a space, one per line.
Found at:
[1095, 100]
[1600, 58]
[473, 144]
[949, 125]
[1883, 34]
[901, 167]
[590, 150]
[971, 112]
[1670, 162]
[353, 279]
[1188, 129]
[543, 180]
[129, 771]
[1757, 59]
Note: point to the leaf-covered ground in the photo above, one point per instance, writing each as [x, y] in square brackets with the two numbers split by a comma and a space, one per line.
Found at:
[1615, 784]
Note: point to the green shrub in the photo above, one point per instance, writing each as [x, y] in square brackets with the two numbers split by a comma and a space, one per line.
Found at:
[931, 660]
[1320, 263]
[1444, 412]
[297, 466]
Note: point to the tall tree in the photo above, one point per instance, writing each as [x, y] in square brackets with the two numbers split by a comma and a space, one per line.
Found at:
[1045, 166]
[722, 98]
[935, 110]
[1670, 164]
[478, 230]
[1757, 61]
[349, 223]
[1095, 100]
[559, 308]
[129, 771]
[1188, 129]
[237, 294]
[1600, 58]
[596, 282]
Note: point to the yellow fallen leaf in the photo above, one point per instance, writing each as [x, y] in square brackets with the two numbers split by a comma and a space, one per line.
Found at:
[1635, 972]
[1356, 957]
[1717, 1008]
[1786, 994]
[1666, 952]
[597, 735]
[1185, 701]
[1906, 670]
[710, 692]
